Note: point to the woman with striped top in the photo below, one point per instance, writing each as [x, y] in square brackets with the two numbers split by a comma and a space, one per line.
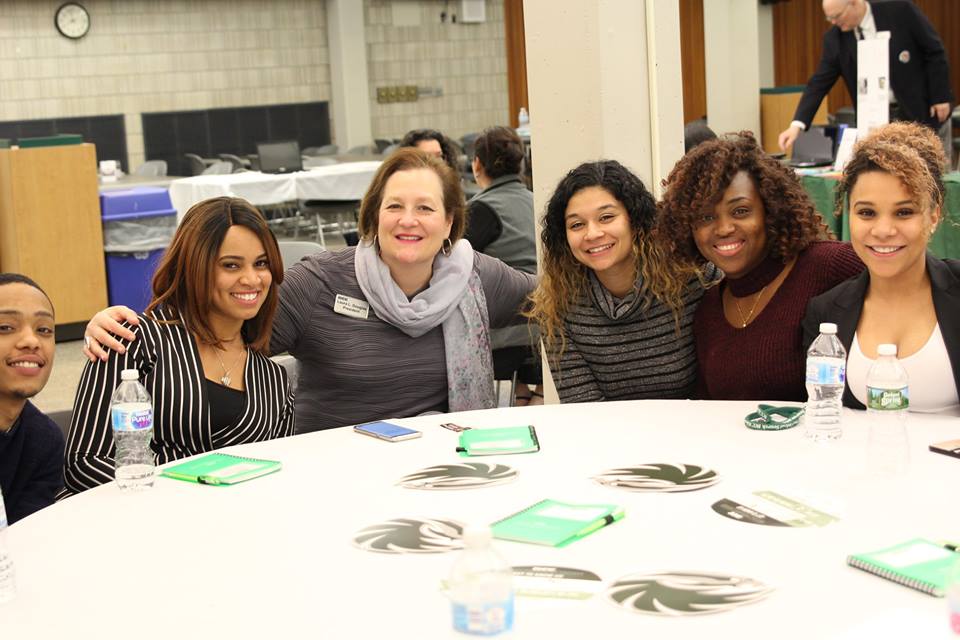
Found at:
[615, 317]
[200, 349]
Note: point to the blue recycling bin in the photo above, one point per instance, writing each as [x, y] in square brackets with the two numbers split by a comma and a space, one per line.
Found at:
[138, 225]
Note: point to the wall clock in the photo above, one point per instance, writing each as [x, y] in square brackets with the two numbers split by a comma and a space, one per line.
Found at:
[72, 20]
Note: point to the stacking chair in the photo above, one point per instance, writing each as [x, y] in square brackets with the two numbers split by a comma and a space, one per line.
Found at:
[236, 162]
[195, 164]
[325, 150]
[152, 169]
[218, 168]
[292, 250]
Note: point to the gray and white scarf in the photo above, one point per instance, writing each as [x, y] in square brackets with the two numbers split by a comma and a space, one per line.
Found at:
[455, 299]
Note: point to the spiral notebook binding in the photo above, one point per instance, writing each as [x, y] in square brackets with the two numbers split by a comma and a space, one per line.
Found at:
[913, 583]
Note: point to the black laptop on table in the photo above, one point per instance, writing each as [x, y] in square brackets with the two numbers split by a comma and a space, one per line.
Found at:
[812, 149]
[280, 157]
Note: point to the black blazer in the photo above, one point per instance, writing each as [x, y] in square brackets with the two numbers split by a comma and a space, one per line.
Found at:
[921, 81]
[844, 303]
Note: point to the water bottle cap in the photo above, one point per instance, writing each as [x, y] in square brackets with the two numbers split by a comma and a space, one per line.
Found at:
[475, 536]
[828, 327]
[129, 374]
[886, 350]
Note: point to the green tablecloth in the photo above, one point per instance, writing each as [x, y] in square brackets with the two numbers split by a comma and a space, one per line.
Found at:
[945, 242]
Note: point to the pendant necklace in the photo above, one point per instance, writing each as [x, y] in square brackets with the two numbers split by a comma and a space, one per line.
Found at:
[225, 378]
[736, 302]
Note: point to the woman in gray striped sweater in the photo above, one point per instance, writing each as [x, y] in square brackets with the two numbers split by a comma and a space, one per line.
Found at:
[615, 317]
[200, 348]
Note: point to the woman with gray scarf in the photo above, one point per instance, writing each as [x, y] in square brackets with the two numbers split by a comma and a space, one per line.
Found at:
[398, 325]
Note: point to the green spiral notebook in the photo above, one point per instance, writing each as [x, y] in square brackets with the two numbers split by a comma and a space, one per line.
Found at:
[554, 523]
[499, 441]
[221, 469]
[919, 564]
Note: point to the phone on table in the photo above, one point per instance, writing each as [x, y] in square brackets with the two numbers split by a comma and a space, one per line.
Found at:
[387, 431]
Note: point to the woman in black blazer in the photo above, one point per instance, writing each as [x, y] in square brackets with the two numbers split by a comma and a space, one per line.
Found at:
[906, 296]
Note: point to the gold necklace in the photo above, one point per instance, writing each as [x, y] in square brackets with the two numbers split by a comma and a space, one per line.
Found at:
[225, 378]
[736, 302]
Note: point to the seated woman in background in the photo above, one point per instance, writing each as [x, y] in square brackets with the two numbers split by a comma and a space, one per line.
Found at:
[614, 315]
[906, 297]
[200, 348]
[434, 143]
[501, 224]
[729, 203]
[400, 324]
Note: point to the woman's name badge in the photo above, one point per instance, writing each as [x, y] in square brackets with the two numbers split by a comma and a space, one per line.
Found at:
[347, 306]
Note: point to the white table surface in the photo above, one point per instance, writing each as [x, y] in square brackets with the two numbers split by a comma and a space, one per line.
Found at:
[272, 558]
[346, 181]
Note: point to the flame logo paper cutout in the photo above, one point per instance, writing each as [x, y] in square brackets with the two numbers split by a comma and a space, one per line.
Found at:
[660, 477]
[408, 535]
[685, 594]
[459, 476]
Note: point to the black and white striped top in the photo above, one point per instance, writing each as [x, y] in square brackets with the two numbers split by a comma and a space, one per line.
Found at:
[166, 356]
[615, 350]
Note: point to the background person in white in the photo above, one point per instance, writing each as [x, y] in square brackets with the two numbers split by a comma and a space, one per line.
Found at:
[919, 73]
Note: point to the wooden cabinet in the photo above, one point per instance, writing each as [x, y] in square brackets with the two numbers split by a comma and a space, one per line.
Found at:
[50, 227]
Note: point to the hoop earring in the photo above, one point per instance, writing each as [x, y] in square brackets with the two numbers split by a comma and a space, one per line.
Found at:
[447, 247]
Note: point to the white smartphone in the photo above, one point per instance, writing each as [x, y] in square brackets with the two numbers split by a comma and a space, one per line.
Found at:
[387, 431]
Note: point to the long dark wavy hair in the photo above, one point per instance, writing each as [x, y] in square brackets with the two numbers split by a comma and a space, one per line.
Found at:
[697, 183]
[563, 279]
[185, 278]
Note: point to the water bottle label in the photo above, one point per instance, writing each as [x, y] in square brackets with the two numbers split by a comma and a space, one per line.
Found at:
[483, 619]
[887, 399]
[132, 420]
[826, 370]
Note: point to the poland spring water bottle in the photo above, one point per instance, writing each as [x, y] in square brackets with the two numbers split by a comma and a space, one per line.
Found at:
[826, 372]
[7, 585]
[480, 586]
[953, 595]
[888, 398]
[132, 414]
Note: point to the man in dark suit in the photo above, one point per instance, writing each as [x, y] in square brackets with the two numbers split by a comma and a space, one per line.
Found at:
[919, 74]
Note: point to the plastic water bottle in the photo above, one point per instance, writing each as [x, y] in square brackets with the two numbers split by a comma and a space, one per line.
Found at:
[8, 587]
[826, 373]
[523, 119]
[953, 596]
[132, 414]
[480, 586]
[888, 398]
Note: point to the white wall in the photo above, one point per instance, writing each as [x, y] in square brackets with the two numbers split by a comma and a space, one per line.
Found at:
[169, 55]
[732, 50]
[467, 61]
[160, 55]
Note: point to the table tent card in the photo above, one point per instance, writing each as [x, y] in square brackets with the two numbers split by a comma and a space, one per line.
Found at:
[774, 510]
[467, 475]
[659, 477]
[566, 583]
[410, 535]
[685, 594]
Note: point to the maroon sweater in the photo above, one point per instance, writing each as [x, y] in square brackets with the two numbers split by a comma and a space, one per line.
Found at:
[765, 360]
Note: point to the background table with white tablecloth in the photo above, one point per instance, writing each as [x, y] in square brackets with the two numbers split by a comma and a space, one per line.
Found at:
[340, 182]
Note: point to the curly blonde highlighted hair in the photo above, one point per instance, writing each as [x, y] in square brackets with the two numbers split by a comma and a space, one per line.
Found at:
[906, 150]
[563, 279]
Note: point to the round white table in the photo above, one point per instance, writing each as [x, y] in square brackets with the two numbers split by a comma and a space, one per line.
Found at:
[273, 557]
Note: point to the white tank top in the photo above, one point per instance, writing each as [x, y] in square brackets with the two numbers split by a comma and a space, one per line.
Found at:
[932, 388]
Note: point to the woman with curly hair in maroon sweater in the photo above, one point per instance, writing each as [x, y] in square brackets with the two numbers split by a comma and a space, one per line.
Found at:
[729, 203]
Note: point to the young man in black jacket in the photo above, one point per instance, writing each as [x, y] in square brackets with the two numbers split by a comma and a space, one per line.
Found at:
[31, 444]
